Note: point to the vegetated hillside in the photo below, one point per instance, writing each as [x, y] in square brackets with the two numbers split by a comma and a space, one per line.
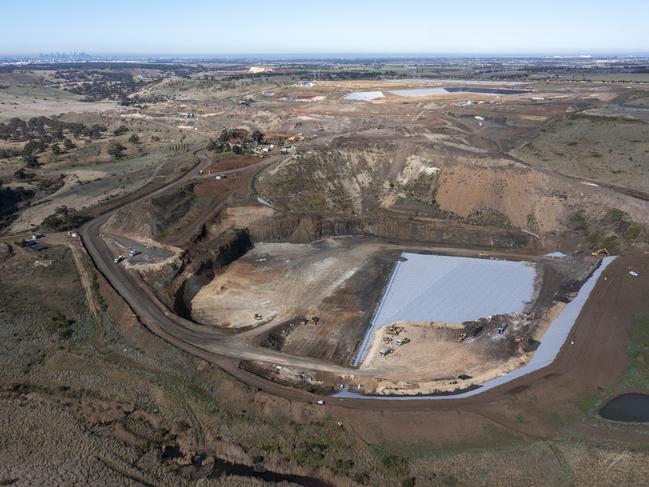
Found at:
[603, 149]
[369, 178]
[354, 179]
[155, 216]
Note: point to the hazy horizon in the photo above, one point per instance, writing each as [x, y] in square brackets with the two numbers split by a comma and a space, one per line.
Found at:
[333, 28]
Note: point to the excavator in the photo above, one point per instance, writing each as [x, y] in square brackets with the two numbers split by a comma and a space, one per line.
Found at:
[602, 251]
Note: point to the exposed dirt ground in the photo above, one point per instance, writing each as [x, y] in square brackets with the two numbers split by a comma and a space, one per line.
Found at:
[435, 361]
[92, 396]
[280, 282]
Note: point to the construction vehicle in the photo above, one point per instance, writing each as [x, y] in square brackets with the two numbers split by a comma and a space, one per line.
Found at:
[461, 337]
[602, 251]
[393, 330]
[402, 341]
[502, 328]
[385, 352]
[118, 259]
[387, 340]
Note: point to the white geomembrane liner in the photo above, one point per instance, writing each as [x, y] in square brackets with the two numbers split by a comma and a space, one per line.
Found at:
[364, 95]
[451, 290]
[551, 342]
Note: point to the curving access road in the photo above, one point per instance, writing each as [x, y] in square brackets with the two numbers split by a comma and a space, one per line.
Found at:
[613, 300]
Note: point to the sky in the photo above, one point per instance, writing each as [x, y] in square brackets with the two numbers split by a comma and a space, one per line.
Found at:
[217, 27]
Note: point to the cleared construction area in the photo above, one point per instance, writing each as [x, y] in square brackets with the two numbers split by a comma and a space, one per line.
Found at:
[451, 290]
[410, 258]
[470, 371]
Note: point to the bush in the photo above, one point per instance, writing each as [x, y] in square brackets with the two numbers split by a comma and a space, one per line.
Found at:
[396, 465]
[24, 175]
[31, 162]
[121, 130]
[578, 221]
[408, 482]
[64, 218]
[615, 216]
[632, 232]
[61, 325]
[116, 150]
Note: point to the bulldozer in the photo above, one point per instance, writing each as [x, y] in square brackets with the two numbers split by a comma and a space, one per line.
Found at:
[602, 251]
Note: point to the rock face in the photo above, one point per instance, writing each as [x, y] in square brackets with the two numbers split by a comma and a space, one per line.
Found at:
[307, 228]
[177, 283]
[367, 179]
[5, 251]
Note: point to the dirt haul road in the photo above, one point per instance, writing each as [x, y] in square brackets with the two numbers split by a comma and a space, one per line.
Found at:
[601, 333]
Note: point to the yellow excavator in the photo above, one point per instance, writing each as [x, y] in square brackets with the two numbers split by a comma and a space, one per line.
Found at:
[602, 251]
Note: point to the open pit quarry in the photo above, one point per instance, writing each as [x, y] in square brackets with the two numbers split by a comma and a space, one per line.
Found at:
[421, 259]
[324, 273]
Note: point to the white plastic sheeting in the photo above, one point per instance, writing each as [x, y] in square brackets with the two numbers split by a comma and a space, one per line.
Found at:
[364, 95]
[554, 338]
[451, 290]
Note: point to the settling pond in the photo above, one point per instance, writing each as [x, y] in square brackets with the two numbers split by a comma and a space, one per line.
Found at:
[630, 408]
[517, 280]
[463, 89]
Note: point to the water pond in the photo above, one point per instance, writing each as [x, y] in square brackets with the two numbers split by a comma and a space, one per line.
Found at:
[462, 89]
[629, 408]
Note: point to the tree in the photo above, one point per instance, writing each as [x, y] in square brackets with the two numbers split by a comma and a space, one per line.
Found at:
[68, 144]
[214, 145]
[64, 218]
[134, 139]
[31, 161]
[258, 136]
[24, 175]
[28, 149]
[56, 150]
[94, 131]
[116, 150]
[121, 130]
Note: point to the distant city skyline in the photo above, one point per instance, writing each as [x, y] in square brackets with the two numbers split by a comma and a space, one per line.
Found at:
[325, 28]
